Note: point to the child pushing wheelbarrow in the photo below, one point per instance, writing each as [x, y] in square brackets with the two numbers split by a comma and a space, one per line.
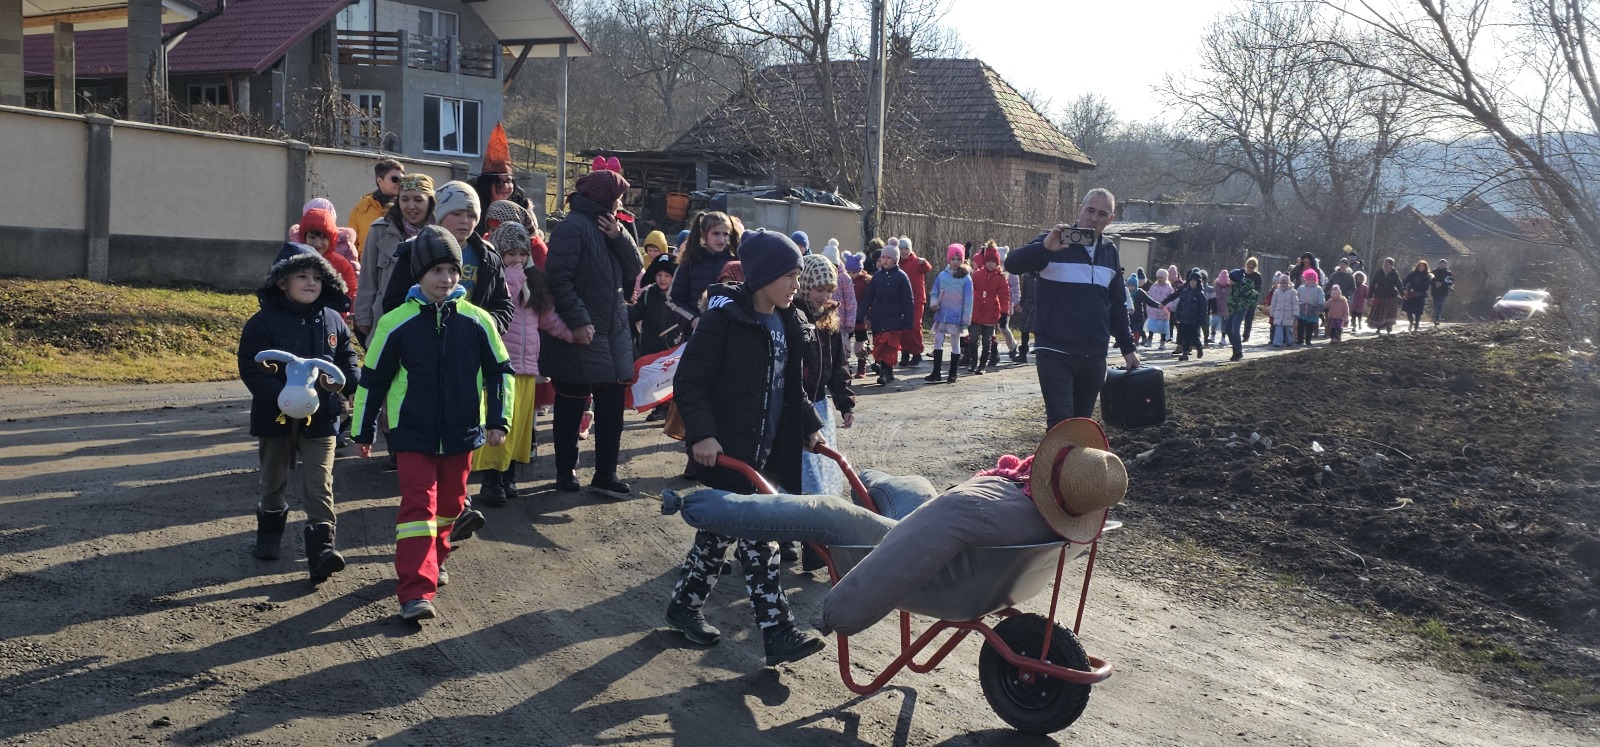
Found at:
[975, 550]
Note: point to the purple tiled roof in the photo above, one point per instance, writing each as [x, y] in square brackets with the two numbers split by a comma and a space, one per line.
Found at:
[249, 36]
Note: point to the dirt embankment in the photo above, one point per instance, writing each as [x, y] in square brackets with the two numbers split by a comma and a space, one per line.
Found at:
[1451, 478]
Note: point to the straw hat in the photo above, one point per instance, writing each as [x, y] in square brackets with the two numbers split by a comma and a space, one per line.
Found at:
[1076, 479]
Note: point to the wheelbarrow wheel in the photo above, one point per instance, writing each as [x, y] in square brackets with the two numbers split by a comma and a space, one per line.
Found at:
[1043, 705]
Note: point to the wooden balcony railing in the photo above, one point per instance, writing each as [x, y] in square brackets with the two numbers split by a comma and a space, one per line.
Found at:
[439, 53]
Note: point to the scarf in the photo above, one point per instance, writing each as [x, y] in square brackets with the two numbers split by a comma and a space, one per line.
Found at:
[1015, 469]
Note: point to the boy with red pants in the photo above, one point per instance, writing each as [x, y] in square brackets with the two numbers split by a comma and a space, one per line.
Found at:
[887, 306]
[425, 361]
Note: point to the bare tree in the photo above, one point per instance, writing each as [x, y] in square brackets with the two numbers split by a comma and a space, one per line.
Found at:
[1089, 122]
[1438, 52]
[1242, 111]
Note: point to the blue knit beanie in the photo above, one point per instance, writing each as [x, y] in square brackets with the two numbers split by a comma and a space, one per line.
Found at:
[767, 256]
[801, 240]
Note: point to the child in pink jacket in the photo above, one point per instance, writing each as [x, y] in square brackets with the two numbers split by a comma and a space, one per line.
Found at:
[534, 311]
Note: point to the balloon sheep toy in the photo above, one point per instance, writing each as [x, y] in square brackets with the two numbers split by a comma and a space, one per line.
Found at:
[299, 397]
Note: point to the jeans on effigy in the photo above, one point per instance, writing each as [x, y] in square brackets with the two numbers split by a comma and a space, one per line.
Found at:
[782, 517]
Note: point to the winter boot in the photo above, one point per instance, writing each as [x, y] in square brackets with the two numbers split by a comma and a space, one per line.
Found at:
[980, 360]
[691, 622]
[994, 353]
[269, 533]
[491, 493]
[785, 643]
[861, 367]
[321, 559]
[508, 481]
[916, 358]
[879, 368]
[938, 363]
[955, 363]
[888, 374]
[905, 359]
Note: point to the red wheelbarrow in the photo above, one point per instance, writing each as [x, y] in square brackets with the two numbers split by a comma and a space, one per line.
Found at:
[1035, 674]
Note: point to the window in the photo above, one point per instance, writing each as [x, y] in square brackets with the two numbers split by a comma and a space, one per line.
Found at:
[1039, 200]
[214, 94]
[449, 126]
[357, 16]
[363, 117]
[438, 23]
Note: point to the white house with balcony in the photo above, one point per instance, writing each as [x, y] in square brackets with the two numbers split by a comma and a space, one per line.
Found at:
[421, 78]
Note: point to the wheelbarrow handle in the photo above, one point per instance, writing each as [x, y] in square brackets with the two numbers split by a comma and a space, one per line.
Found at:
[850, 475]
[762, 485]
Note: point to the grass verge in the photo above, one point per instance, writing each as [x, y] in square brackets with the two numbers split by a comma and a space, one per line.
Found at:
[81, 332]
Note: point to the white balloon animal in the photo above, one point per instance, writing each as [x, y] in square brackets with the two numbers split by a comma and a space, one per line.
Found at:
[299, 397]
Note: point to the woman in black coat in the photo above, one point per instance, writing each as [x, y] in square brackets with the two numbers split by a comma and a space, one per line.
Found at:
[1414, 291]
[592, 266]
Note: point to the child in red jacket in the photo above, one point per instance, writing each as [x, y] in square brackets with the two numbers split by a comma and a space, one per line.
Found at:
[991, 300]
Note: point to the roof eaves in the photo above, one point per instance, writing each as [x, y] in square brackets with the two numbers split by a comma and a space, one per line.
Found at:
[282, 49]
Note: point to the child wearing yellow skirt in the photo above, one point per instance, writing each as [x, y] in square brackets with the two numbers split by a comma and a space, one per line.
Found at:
[534, 311]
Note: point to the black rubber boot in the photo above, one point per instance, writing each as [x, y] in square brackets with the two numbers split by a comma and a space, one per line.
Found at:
[938, 362]
[508, 482]
[269, 533]
[955, 363]
[322, 560]
[888, 375]
[994, 354]
[490, 493]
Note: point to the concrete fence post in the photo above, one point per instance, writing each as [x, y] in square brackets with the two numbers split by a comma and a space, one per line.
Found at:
[97, 199]
[299, 172]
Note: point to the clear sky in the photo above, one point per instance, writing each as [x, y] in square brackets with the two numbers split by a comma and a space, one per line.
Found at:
[1042, 45]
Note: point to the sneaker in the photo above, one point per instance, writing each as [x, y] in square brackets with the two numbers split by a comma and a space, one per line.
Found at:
[568, 483]
[418, 609]
[444, 577]
[467, 524]
[692, 624]
[786, 643]
[610, 484]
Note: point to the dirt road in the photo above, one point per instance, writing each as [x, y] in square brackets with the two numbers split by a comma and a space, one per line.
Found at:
[131, 611]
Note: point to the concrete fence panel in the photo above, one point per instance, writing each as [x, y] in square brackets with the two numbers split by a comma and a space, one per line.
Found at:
[42, 204]
[127, 202]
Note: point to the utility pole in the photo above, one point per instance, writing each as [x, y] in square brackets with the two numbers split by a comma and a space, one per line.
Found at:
[872, 170]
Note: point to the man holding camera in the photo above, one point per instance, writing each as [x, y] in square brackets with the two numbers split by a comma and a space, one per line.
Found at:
[1081, 303]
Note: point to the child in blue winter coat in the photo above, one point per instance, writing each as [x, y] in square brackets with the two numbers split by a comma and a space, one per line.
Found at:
[888, 307]
[302, 301]
[950, 300]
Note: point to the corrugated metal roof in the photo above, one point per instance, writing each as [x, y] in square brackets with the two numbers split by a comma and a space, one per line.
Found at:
[249, 36]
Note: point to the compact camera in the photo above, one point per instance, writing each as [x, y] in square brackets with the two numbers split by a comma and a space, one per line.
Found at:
[1079, 236]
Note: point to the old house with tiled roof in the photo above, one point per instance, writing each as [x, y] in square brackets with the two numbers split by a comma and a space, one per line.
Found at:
[960, 139]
